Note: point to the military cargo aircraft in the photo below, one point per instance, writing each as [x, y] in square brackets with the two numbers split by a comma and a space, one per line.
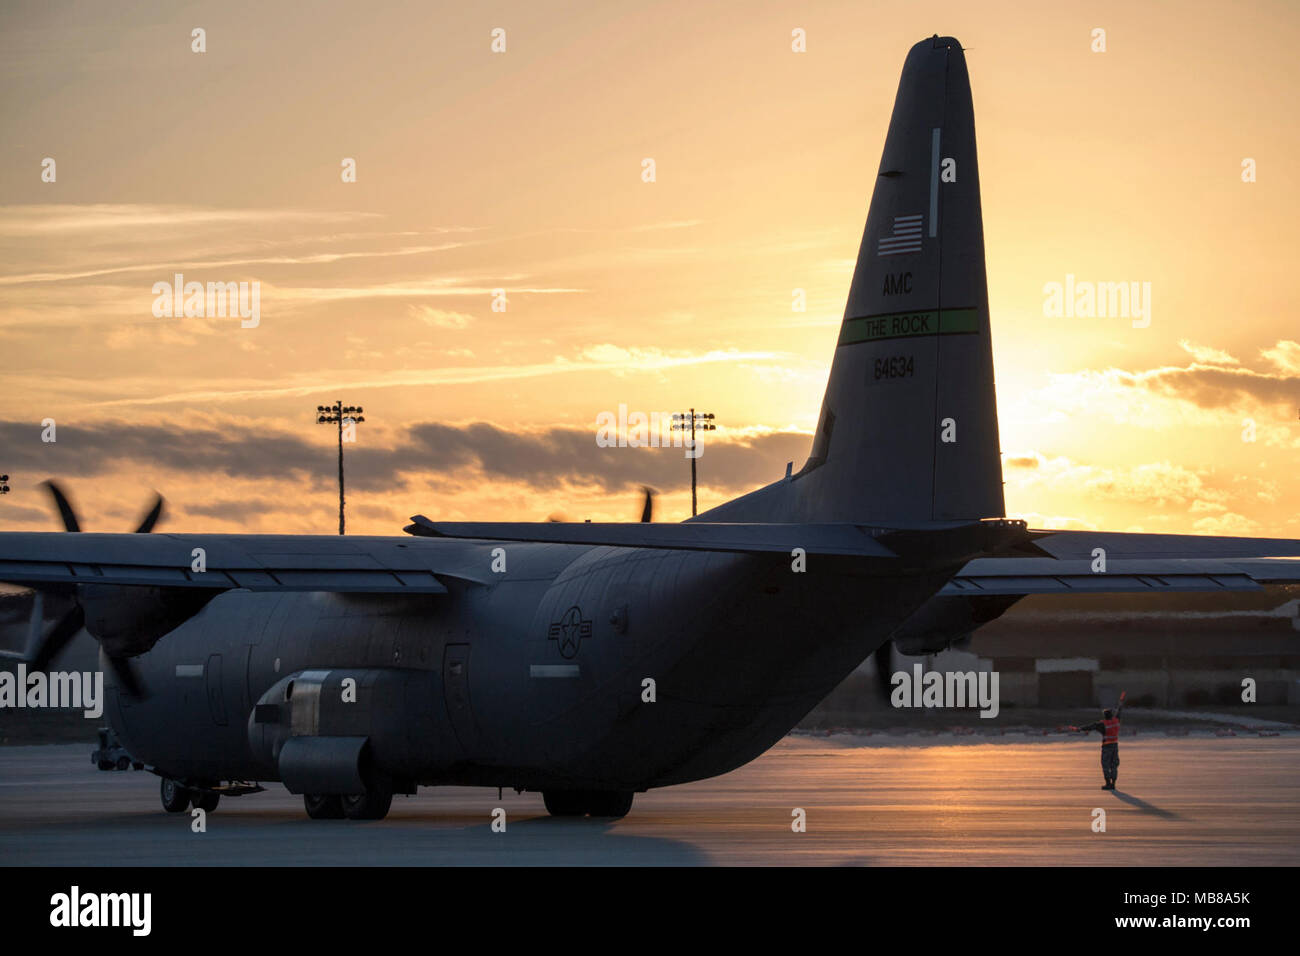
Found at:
[593, 661]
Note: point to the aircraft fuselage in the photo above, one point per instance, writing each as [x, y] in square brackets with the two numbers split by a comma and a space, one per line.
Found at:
[608, 668]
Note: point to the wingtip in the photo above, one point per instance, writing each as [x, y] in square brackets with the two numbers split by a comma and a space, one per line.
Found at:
[421, 526]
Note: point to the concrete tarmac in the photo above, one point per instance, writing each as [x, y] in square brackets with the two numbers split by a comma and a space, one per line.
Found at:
[869, 800]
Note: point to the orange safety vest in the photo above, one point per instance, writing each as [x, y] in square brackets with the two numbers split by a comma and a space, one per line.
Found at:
[1110, 733]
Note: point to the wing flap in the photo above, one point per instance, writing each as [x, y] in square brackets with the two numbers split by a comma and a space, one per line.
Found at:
[1100, 584]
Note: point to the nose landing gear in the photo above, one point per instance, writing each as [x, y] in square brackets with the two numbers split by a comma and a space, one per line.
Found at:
[177, 798]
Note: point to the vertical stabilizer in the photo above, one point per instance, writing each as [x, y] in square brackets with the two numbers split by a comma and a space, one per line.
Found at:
[908, 430]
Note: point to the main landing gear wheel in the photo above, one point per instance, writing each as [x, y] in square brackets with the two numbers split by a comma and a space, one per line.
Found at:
[609, 803]
[175, 798]
[373, 804]
[598, 803]
[206, 800]
[323, 806]
[564, 803]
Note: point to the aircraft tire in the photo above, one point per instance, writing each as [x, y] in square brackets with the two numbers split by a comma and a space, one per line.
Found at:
[323, 806]
[565, 803]
[373, 804]
[609, 803]
[206, 800]
[175, 797]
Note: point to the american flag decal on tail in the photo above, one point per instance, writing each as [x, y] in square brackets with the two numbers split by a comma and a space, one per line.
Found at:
[905, 238]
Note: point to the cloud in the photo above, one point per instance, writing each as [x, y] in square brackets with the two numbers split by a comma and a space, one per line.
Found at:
[1206, 354]
[1227, 524]
[1285, 355]
[1213, 387]
[1029, 461]
[240, 509]
[425, 288]
[83, 450]
[600, 358]
[440, 318]
[563, 456]
[544, 459]
[165, 270]
[1157, 483]
[41, 219]
[1199, 393]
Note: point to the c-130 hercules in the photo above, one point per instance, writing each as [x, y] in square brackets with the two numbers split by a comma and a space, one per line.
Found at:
[353, 668]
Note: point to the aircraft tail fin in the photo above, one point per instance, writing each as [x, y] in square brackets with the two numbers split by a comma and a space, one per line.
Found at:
[909, 426]
[908, 430]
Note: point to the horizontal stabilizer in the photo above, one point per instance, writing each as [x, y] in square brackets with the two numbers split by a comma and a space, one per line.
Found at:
[843, 539]
[1098, 562]
[1126, 544]
[927, 545]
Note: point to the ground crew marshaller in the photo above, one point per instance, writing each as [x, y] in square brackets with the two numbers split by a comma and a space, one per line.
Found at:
[1109, 729]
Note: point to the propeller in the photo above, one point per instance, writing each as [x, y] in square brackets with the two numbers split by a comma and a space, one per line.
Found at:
[70, 624]
[65, 629]
[126, 677]
[61, 502]
[883, 657]
[151, 516]
[69, 514]
[648, 507]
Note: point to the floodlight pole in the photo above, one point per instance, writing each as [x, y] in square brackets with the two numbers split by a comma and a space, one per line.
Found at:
[693, 457]
[340, 421]
[681, 422]
[339, 414]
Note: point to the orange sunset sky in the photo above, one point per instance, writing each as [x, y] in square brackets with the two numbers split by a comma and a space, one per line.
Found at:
[522, 170]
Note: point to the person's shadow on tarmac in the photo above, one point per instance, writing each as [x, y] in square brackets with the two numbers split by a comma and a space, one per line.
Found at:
[1142, 805]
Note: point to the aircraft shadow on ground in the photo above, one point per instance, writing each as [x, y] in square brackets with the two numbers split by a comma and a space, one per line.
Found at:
[1145, 807]
[548, 840]
[451, 837]
[278, 838]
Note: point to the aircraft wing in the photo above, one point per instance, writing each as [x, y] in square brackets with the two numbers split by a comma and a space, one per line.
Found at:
[358, 563]
[437, 552]
[1073, 564]
[1063, 561]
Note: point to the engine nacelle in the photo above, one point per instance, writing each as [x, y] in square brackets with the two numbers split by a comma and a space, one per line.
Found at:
[942, 621]
[332, 731]
[128, 620]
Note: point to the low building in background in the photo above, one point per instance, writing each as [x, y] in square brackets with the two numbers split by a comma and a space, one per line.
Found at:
[1054, 653]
